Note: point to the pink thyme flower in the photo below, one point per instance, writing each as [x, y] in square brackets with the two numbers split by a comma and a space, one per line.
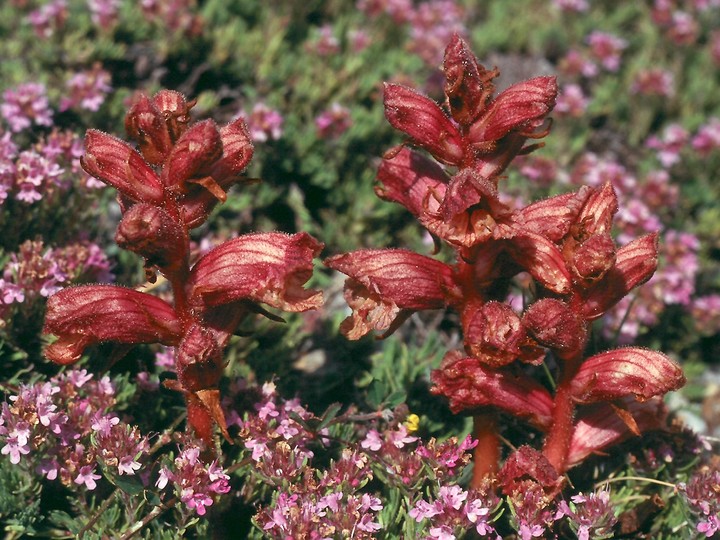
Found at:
[574, 64]
[24, 105]
[707, 139]
[333, 122]
[607, 49]
[589, 514]
[49, 18]
[325, 44]
[571, 101]
[87, 90]
[683, 28]
[104, 13]
[195, 482]
[264, 123]
[669, 145]
[653, 82]
[87, 476]
[572, 6]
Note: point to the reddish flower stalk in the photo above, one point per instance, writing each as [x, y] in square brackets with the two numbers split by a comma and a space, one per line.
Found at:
[564, 243]
[166, 189]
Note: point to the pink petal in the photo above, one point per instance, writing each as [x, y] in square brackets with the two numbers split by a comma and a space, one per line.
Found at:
[266, 267]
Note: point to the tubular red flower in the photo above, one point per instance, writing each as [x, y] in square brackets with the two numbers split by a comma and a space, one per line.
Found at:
[384, 282]
[520, 108]
[201, 198]
[635, 263]
[469, 385]
[601, 426]
[145, 123]
[266, 267]
[468, 85]
[192, 156]
[114, 162]
[542, 259]
[175, 110]
[553, 324]
[81, 316]
[553, 217]
[596, 216]
[237, 153]
[151, 233]
[623, 372]
[495, 335]
[424, 121]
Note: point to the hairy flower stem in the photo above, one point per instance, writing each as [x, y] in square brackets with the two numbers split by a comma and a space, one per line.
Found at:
[557, 443]
[486, 455]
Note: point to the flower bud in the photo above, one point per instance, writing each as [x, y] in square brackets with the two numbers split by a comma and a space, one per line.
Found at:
[145, 123]
[192, 156]
[151, 233]
[468, 85]
[495, 335]
[593, 258]
[175, 110]
[553, 324]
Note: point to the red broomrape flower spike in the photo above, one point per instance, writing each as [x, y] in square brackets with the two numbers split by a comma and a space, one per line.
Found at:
[167, 188]
[563, 242]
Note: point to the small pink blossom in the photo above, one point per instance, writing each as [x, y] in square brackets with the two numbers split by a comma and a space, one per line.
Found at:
[607, 48]
[87, 477]
[24, 105]
[265, 124]
[571, 101]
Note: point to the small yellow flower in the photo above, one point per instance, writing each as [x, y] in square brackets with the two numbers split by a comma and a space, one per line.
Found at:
[412, 423]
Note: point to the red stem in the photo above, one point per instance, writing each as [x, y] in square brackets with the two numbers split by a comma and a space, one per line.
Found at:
[557, 443]
[486, 455]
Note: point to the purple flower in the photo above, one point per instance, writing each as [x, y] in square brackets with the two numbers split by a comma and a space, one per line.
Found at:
[195, 482]
[264, 123]
[104, 12]
[87, 89]
[87, 476]
[571, 101]
[49, 18]
[653, 82]
[24, 105]
[372, 441]
[707, 138]
[333, 122]
[606, 48]
[572, 6]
